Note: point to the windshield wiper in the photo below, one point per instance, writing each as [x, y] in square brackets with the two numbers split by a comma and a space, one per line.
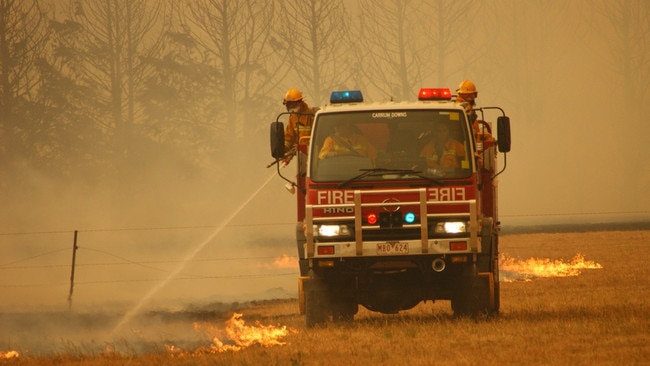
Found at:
[432, 180]
[381, 171]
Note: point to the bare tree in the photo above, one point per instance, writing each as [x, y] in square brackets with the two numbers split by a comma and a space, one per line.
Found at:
[449, 27]
[101, 47]
[393, 52]
[315, 33]
[238, 40]
[22, 39]
[178, 104]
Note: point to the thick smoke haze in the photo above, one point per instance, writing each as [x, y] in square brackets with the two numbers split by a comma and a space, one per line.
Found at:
[577, 104]
[126, 246]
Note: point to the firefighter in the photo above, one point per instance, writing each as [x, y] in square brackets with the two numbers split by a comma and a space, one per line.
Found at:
[300, 119]
[466, 96]
[347, 140]
[443, 151]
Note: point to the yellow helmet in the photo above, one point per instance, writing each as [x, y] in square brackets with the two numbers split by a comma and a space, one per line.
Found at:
[466, 87]
[293, 95]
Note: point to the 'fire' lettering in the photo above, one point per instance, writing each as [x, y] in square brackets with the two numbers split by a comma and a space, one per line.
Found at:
[335, 197]
[447, 194]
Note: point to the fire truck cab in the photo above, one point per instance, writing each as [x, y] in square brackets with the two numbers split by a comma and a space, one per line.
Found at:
[397, 204]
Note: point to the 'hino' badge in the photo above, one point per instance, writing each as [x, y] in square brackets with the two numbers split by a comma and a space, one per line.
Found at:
[391, 207]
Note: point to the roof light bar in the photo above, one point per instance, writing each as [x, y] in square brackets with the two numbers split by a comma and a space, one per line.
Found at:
[434, 94]
[346, 96]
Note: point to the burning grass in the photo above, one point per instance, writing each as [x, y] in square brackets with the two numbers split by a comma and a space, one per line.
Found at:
[598, 317]
[513, 269]
[238, 336]
[9, 355]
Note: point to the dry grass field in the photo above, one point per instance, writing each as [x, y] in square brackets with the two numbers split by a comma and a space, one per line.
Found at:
[595, 317]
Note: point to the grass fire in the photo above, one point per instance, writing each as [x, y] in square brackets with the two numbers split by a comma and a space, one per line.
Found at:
[8, 355]
[238, 336]
[555, 305]
[513, 269]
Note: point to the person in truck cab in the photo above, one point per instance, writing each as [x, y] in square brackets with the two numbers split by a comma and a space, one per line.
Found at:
[347, 140]
[443, 151]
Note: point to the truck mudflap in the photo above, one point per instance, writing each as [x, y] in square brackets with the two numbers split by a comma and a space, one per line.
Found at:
[477, 295]
[490, 299]
[301, 294]
[363, 248]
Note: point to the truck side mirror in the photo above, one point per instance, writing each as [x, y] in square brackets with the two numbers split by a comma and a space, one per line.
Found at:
[503, 134]
[277, 140]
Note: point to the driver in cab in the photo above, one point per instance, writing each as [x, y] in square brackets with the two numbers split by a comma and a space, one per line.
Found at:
[347, 140]
[443, 151]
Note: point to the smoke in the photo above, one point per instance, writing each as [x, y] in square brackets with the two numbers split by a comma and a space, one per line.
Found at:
[131, 238]
[89, 333]
[133, 233]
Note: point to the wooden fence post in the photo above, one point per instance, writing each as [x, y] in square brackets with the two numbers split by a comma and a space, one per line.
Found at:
[74, 258]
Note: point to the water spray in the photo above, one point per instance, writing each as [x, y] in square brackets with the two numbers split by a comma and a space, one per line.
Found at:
[130, 314]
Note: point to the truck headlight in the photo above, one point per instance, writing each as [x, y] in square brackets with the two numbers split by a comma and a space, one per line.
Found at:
[332, 230]
[451, 227]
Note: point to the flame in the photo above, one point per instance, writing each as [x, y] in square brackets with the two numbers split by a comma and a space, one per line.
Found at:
[284, 261]
[515, 269]
[239, 335]
[8, 355]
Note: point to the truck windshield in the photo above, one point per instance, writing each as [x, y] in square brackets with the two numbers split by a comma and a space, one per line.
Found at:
[431, 144]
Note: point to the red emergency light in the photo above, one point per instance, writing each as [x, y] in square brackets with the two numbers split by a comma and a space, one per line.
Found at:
[434, 94]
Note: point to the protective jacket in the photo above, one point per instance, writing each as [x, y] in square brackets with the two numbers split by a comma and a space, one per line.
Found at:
[446, 156]
[352, 145]
[299, 125]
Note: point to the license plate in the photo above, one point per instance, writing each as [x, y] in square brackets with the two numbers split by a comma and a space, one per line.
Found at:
[394, 247]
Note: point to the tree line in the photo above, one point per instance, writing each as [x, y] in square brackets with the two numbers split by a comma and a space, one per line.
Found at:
[100, 84]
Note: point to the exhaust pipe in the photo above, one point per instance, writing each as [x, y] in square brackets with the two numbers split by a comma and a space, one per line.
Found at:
[438, 265]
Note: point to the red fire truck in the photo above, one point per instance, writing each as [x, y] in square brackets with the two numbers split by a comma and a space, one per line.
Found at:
[397, 204]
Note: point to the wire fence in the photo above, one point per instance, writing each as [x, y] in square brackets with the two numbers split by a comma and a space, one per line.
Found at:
[124, 256]
[35, 262]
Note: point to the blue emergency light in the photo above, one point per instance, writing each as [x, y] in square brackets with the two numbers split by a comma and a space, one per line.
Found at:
[346, 96]
[434, 94]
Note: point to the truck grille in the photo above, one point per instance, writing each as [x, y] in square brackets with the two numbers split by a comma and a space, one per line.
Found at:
[388, 227]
